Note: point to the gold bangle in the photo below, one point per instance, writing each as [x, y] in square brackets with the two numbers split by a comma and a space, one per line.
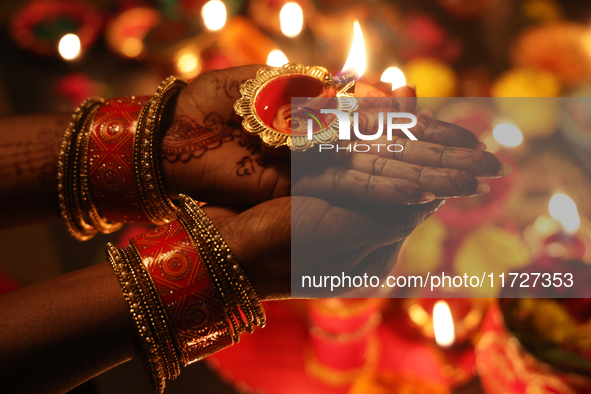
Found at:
[100, 223]
[150, 358]
[168, 345]
[227, 262]
[230, 306]
[225, 267]
[157, 206]
[67, 175]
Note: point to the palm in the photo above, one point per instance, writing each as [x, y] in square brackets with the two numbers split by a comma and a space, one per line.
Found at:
[291, 236]
[206, 155]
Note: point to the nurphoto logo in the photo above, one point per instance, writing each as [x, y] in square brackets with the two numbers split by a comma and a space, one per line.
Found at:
[344, 121]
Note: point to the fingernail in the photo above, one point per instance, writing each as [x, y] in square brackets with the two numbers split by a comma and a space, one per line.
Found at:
[483, 188]
[481, 145]
[505, 170]
[424, 198]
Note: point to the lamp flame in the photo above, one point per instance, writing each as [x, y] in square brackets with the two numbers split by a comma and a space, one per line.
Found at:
[507, 135]
[395, 76]
[292, 19]
[443, 324]
[356, 62]
[69, 46]
[276, 58]
[564, 209]
[214, 15]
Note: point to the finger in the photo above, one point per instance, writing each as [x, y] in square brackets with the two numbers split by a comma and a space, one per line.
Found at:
[427, 129]
[442, 182]
[342, 184]
[477, 162]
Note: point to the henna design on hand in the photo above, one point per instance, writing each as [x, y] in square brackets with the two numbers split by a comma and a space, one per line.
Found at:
[247, 165]
[38, 157]
[188, 139]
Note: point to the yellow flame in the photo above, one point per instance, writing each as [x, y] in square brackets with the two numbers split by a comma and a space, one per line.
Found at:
[214, 15]
[564, 209]
[507, 135]
[395, 76]
[443, 324]
[356, 62]
[188, 63]
[69, 46]
[292, 19]
[276, 58]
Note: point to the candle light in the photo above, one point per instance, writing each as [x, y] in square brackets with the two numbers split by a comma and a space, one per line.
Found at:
[276, 58]
[356, 64]
[443, 325]
[507, 135]
[214, 15]
[395, 76]
[69, 46]
[564, 209]
[292, 19]
[188, 62]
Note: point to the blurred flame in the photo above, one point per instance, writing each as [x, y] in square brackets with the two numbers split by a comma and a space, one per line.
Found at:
[276, 58]
[188, 63]
[395, 76]
[132, 47]
[292, 19]
[507, 135]
[418, 315]
[69, 46]
[356, 62]
[564, 209]
[443, 324]
[214, 15]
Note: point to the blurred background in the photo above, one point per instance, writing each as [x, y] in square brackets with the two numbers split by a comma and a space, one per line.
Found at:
[55, 53]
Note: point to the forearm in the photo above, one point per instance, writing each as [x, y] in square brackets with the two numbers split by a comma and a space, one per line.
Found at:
[60, 333]
[29, 150]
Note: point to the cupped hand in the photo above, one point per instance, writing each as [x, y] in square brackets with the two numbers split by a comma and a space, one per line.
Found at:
[205, 155]
[286, 238]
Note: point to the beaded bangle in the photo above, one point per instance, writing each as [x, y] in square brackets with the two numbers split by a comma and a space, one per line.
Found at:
[67, 176]
[167, 349]
[152, 362]
[229, 273]
[226, 259]
[158, 207]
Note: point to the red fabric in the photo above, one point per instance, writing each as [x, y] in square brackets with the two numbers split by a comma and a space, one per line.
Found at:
[110, 160]
[191, 300]
[505, 366]
[274, 360]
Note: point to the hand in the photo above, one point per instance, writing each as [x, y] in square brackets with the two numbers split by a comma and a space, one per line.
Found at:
[205, 155]
[287, 237]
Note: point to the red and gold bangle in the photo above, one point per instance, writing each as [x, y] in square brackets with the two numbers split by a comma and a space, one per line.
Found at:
[67, 174]
[225, 265]
[167, 349]
[158, 207]
[110, 164]
[150, 358]
[190, 298]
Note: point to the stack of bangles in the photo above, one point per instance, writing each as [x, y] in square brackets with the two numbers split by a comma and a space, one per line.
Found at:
[187, 294]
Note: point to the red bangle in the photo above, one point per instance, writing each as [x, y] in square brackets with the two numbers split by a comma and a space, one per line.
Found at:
[110, 160]
[191, 300]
